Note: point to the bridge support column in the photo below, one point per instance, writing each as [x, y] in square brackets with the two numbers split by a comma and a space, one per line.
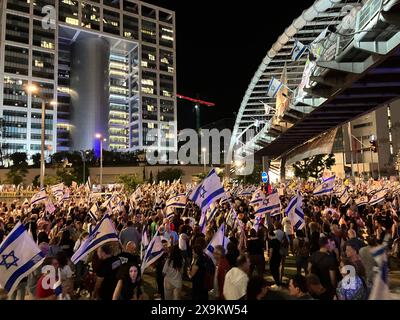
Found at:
[283, 169]
[266, 162]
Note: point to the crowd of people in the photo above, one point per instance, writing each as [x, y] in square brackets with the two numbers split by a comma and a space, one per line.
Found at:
[335, 238]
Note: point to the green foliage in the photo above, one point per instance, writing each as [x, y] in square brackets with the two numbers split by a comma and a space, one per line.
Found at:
[129, 181]
[36, 181]
[313, 167]
[169, 174]
[69, 166]
[51, 180]
[36, 160]
[18, 169]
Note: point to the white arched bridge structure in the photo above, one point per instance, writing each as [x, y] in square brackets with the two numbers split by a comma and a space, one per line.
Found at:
[338, 60]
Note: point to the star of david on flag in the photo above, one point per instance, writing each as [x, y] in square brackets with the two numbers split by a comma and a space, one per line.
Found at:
[19, 256]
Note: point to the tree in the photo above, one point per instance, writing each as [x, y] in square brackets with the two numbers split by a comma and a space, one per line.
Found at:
[69, 166]
[254, 177]
[129, 181]
[18, 169]
[314, 166]
[36, 160]
[169, 174]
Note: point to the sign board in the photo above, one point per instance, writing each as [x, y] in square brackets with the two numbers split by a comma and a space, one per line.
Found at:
[264, 177]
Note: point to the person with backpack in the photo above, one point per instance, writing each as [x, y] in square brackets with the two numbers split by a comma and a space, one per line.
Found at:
[301, 250]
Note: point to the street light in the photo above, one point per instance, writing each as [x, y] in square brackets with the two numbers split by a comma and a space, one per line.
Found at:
[204, 150]
[33, 89]
[100, 137]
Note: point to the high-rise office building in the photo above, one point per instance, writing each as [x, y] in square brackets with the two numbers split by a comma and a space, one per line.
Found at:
[109, 65]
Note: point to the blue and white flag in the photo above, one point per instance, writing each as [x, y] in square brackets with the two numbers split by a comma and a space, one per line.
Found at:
[93, 213]
[326, 187]
[153, 252]
[39, 197]
[103, 233]
[231, 218]
[218, 239]
[57, 190]
[211, 213]
[273, 204]
[295, 213]
[298, 50]
[274, 86]
[378, 197]
[145, 242]
[208, 191]
[19, 256]
[361, 201]
[178, 201]
[57, 287]
[257, 198]
[257, 222]
[203, 222]
[380, 286]
[345, 197]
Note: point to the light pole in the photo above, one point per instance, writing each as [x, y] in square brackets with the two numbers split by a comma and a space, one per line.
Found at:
[84, 153]
[204, 150]
[33, 89]
[100, 137]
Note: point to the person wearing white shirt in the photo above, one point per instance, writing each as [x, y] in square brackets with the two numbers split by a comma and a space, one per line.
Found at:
[236, 279]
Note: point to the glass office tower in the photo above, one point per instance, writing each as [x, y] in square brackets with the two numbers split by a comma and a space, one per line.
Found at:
[108, 64]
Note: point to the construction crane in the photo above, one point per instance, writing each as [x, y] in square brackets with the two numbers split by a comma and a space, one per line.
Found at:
[197, 103]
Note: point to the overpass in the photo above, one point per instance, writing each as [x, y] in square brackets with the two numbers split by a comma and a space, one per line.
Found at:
[351, 67]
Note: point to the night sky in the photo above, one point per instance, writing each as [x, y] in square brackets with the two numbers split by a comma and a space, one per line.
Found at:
[219, 48]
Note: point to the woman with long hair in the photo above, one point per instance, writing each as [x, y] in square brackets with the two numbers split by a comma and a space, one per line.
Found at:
[129, 284]
[173, 269]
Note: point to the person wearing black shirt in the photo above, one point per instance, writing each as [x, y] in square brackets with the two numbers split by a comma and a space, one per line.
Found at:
[128, 255]
[66, 243]
[232, 253]
[275, 257]
[197, 273]
[324, 266]
[159, 270]
[255, 250]
[106, 279]
[316, 289]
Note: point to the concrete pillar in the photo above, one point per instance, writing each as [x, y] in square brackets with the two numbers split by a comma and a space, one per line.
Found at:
[90, 60]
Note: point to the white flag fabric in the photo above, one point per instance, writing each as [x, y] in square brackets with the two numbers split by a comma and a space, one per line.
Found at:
[102, 233]
[380, 287]
[378, 197]
[257, 197]
[50, 208]
[274, 87]
[178, 201]
[273, 204]
[295, 213]
[218, 239]
[39, 197]
[19, 256]
[345, 198]
[153, 252]
[93, 212]
[361, 201]
[57, 190]
[208, 191]
[326, 187]
[298, 50]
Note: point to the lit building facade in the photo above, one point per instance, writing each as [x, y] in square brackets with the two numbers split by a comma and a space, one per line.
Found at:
[109, 65]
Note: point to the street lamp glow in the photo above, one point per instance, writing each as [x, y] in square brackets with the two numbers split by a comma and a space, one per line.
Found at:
[32, 88]
[98, 135]
[53, 103]
[204, 149]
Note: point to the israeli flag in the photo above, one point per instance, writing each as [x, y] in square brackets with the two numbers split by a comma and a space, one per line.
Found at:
[345, 198]
[208, 191]
[378, 197]
[145, 242]
[273, 204]
[361, 201]
[218, 239]
[50, 208]
[326, 187]
[153, 252]
[298, 50]
[93, 213]
[274, 86]
[231, 218]
[103, 233]
[39, 197]
[57, 190]
[380, 287]
[203, 222]
[178, 201]
[257, 198]
[295, 213]
[257, 222]
[19, 256]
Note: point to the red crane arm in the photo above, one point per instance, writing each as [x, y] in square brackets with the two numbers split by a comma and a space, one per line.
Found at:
[197, 101]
